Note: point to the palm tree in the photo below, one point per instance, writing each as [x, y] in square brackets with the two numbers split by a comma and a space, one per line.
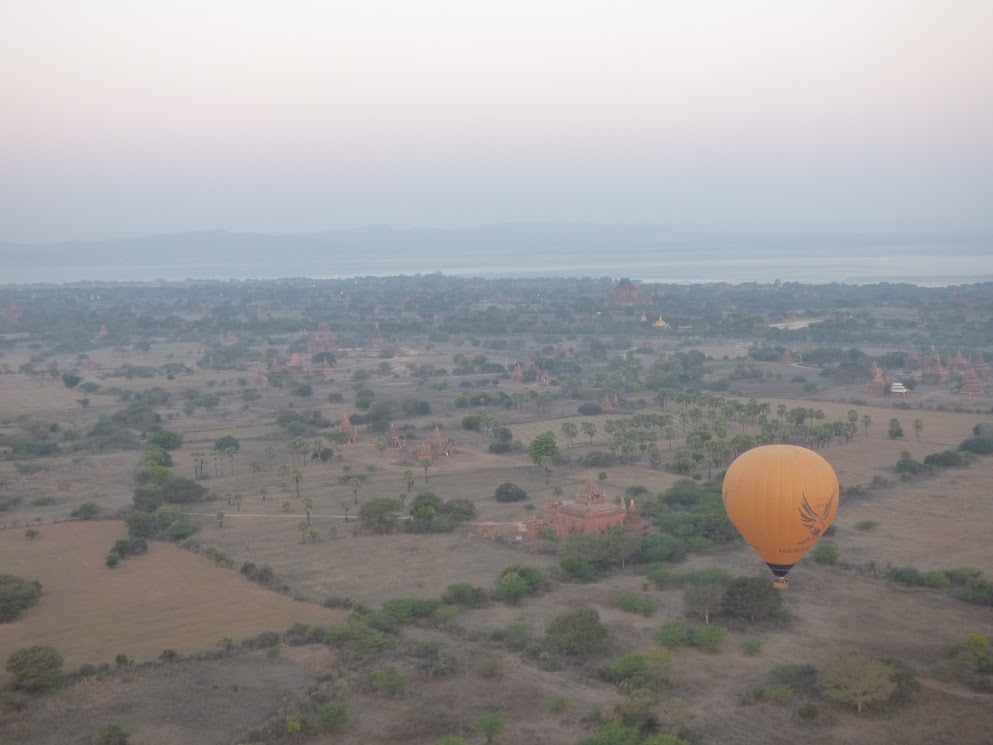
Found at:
[220, 519]
[264, 492]
[425, 464]
[308, 505]
[297, 475]
[303, 527]
[346, 506]
[355, 483]
[236, 497]
[408, 477]
[270, 455]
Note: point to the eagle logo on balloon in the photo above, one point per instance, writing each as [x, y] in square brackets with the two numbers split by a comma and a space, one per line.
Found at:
[815, 522]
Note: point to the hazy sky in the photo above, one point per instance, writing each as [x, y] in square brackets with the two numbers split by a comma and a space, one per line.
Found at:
[122, 117]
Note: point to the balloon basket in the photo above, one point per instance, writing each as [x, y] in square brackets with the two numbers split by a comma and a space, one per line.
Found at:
[781, 583]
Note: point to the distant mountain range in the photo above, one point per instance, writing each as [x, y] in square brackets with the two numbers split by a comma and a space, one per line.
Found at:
[520, 249]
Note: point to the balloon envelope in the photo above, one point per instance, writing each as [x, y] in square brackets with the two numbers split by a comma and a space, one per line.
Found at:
[781, 498]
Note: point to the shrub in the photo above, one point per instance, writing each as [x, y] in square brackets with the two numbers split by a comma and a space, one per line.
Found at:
[578, 569]
[642, 604]
[775, 693]
[508, 492]
[867, 525]
[825, 553]
[577, 632]
[709, 638]
[981, 445]
[906, 575]
[86, 511]
[490, 725]
[752, 646]
[391, 682]
[800, 678]
[113, 559]
[673, 635]
[465, 595]
[333, 716]
[35, 669]
[558, 704]
[518, 581]
[705, 576]
[360, 636]
[590, 409]
[16, 596]
[112, 734]
[946, 459]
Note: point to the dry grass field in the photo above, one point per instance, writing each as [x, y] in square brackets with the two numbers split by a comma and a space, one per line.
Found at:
[170, 598]
[182, 703]
[165, 599]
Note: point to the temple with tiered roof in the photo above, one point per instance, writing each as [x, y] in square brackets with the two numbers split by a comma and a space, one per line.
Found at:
[588, 512]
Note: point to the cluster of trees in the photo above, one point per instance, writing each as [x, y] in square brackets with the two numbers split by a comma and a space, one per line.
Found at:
[428, 513]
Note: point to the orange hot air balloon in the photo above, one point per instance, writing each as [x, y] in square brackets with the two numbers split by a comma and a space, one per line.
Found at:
[781, 498]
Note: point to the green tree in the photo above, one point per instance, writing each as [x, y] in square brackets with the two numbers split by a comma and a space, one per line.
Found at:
[544, 451]
[490, 725]
[425, 464]
[355, 483]
[303, 527]
[508, 492]
[71, 379]
[703, 600]
[237, 498]
[866, 421]
[381, 445]
[16, 596]
[226, 443]
[408, 478]
[895, 429]
[570, 431]
[35, 669]
[270, 455]
[166, 440]
[380, 515]
[308, 505]
[578, 632]
[589, 429]
[220, 519]
[753, 598]
[918, 428]
[859, 681]
[346, 506]
[297, 475]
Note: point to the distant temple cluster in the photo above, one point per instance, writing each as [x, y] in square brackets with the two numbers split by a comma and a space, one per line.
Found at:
[588, 512]
[930, 369]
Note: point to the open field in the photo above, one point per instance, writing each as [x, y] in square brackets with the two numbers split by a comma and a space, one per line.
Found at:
[165, 599]
[170, 598]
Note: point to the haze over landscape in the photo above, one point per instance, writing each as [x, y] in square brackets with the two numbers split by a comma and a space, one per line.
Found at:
[820, 120]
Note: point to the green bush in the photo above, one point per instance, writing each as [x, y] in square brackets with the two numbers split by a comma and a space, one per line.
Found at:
[709, 638]
[578, 632]
[867, 525]
[408, 610]
[800, 678]
[673, 635]
[465, 595]
[705, 576]
[775, 693]
[752, 646]
[112, 734]
[642, 604]
[16, 596]
[359, 635]
[825, 553]
[86, 511]
[333, 716]
[391, 682]
[906, 575]
[517, 582]
[35, 669]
